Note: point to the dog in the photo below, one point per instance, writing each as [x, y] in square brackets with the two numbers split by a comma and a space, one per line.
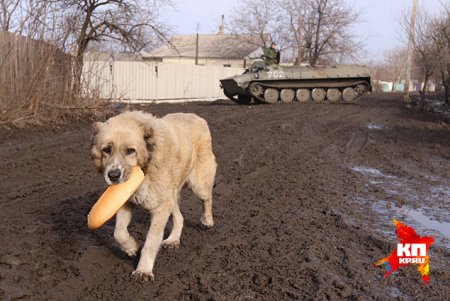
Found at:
[172, 151]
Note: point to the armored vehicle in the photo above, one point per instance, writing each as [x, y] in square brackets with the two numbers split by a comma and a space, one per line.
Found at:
[298, 84]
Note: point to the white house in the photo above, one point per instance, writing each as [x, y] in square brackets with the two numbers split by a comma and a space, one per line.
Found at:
[226, 50]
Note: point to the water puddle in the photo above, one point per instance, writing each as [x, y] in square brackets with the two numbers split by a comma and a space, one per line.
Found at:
[369, 171]
[423, 188]
[425, 202]
[425, 221]
[437, 105]
[372, 126]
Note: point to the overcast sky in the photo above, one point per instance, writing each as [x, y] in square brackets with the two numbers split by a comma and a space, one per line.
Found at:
[378, 27]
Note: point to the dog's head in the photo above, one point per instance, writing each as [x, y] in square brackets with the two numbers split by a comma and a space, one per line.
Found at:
[120, 143]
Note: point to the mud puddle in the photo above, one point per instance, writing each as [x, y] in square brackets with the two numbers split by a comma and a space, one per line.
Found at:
[422, 202]
[375, 126]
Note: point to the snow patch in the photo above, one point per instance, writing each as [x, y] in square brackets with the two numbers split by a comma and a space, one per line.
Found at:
[372, 126]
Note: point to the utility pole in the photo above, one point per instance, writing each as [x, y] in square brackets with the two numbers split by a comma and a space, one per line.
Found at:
[410, 49]
[222, 25]
[196, 48]
[299, 39]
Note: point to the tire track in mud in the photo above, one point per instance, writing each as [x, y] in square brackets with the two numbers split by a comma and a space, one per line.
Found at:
[287, 224]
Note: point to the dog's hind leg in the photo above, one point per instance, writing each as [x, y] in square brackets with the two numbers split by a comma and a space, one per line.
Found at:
[207, 216]
[173, 241]
[201, 181]
[125, 240]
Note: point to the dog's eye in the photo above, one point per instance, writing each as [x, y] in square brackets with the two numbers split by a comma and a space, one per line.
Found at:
[130, 151]
[107, 150]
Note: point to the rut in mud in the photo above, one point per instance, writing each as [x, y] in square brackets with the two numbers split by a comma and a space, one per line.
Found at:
[303, 203]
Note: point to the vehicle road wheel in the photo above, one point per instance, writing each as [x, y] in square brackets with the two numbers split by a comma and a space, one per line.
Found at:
[349, 95]
[318, 94]
[333, 95]
[303, 95]
[271, 95]
[287, 95]
[360, 89]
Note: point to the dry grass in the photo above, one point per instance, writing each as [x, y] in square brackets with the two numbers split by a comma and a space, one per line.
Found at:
[35, 85]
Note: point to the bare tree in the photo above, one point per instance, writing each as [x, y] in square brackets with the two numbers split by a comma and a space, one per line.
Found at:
[431, 46]
[378, 73]
[325, 29]
[255, 17]
[74, 25]
[394, 65]
[321, 28]
[292, 13]
[328, 32]
[8, 9]
[427, 42]
[442, 27]
[427, 48]
[131, 23]
[25, 17]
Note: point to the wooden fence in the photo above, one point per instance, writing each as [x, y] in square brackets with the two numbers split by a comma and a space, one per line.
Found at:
[144, 81]
[32, 73]
[35, 76]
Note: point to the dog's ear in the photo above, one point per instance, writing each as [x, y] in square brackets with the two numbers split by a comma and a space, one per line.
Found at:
[96, 154]
[149, 139]
[96, 127]
[145, 157]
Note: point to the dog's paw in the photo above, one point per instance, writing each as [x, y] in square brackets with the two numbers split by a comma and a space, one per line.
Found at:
[171, 244]
[132, 253]
[207, 222]
[142, 277]
[131, 249]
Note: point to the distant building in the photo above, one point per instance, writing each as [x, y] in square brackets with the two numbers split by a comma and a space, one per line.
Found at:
[112, 56]
[227, 50]
[414, 85]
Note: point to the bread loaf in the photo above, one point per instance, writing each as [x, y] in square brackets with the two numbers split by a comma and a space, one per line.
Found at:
[114, 198]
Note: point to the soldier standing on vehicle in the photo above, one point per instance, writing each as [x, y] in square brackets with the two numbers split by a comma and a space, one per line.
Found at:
[272, 54]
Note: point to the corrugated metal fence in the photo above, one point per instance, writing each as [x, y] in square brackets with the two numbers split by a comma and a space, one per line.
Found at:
[127, 80]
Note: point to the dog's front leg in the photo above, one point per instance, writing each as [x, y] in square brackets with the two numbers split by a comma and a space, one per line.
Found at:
[160, 215]
[123, 238]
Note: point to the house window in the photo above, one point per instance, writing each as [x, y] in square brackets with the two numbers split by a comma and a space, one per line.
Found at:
[227, 65]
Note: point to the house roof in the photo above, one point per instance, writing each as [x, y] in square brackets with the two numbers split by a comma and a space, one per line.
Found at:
[106, 56]
[210, 46]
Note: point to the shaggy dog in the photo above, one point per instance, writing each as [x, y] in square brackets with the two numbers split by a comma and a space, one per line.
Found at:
[172, 151]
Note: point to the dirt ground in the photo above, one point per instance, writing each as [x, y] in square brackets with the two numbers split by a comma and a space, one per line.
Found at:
[304, 201]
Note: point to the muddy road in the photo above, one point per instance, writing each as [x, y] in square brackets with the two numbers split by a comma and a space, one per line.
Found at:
[304, 201]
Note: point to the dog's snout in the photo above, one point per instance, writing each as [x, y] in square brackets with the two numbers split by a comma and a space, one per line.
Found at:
[114, 175]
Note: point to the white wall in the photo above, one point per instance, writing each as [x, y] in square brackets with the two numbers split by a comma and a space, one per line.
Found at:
[127, 80]
[237, 63]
